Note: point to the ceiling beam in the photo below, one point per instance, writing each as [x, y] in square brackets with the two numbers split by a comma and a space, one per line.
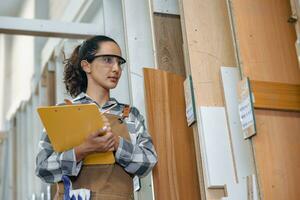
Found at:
[47, 28]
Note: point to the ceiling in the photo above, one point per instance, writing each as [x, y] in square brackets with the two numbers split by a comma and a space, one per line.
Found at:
[10, 7]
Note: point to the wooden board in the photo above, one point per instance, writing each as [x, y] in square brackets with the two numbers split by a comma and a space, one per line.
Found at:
[277, 150]
[267, 53]
[168, 37]
[175, 175]
[266, 40]
[208, 45]
[278, 96]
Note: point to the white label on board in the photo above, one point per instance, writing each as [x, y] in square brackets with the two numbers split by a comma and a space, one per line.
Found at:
[246, 114]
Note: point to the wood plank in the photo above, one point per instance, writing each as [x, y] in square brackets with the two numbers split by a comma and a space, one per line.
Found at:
[168, 37]
[267, 53]
[277, 96]
[277, 148]
[208, 45]
[175, 176]
[266, 40]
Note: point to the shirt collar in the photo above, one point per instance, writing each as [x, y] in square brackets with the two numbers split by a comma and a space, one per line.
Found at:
[111, 101]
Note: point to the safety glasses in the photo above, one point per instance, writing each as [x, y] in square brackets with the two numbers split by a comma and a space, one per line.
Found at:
[109, 59]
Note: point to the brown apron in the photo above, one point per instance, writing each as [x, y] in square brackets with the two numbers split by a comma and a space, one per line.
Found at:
[106, 182]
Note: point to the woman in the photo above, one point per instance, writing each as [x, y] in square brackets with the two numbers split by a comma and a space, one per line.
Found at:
[93, 69]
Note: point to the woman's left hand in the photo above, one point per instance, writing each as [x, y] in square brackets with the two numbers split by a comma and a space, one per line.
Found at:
[109, 130]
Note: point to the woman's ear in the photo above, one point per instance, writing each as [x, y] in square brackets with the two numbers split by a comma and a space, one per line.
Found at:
[86, 66]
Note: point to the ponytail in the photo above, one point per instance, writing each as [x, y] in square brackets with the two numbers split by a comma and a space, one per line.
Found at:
[74, 77]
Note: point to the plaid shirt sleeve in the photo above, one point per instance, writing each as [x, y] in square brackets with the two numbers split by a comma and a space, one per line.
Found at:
[137, 157]
[50, 166]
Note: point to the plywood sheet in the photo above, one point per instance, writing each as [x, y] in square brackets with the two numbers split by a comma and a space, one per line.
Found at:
[175, 176]
[266, 40]
[267, 52]
[208, 45]
[277, 149]
[168, 37]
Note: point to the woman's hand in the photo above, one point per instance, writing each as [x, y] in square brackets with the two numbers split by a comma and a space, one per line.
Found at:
[102, 140]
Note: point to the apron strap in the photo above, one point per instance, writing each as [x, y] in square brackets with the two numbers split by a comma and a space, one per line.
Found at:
[126, 111]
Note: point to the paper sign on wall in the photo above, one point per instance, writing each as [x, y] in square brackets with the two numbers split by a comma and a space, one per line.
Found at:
[136, 183]
[189, 101]
[246, 108]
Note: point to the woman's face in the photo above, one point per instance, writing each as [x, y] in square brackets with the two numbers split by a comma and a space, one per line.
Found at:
[105, 71]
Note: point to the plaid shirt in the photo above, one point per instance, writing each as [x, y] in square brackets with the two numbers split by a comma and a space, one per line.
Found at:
[137, 157]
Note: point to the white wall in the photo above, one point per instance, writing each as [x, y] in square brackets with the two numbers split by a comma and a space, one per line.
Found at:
[2, 65]
[57, 8]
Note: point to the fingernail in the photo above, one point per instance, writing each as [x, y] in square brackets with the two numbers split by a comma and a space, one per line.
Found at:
[104, 128]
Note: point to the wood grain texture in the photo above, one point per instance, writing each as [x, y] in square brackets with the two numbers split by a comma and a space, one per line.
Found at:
[266, 40]
[175, 176]
[208, 45]
[277, 96]
[168, 38]
[277, 148]
[267, 52]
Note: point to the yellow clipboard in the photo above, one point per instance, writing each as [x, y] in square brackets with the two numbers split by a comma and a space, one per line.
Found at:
[68, 126]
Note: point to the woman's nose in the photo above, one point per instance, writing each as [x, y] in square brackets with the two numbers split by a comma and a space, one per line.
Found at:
[116, 67]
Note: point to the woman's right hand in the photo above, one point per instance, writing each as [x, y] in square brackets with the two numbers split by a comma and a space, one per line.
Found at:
[100, 141]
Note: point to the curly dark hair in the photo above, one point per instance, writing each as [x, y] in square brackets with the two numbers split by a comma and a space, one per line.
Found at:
[75, 78]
